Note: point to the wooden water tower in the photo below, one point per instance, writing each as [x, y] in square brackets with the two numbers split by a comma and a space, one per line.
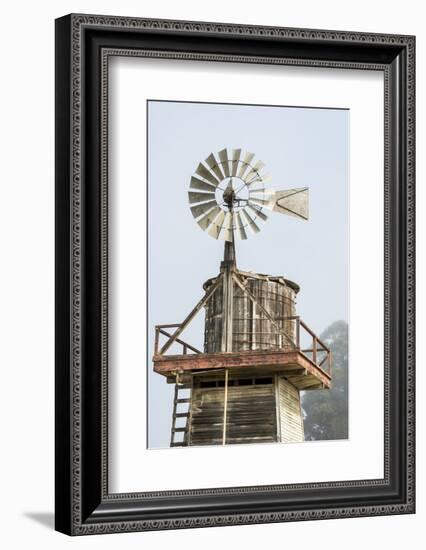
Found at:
[244, 386]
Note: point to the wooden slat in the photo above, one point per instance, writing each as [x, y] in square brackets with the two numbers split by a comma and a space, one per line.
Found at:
[290, 414]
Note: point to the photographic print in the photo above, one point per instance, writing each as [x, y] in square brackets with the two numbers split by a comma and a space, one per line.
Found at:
[248, 249]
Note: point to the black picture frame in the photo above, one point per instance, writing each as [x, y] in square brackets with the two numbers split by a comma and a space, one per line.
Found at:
[83, 504]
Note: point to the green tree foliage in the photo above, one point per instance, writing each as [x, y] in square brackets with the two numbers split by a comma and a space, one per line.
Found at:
[326, 411]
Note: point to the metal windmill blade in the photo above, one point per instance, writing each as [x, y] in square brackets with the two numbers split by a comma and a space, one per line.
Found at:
[209, 217]
[206, 174]
[201, 185]
[214, 166]
[216, 226]
[257, 211]
[245, 165]
[250, 222]
[223, 155]
[200, 209]
[227, 195]
[241, 232]
[195, 197]
[236, 153]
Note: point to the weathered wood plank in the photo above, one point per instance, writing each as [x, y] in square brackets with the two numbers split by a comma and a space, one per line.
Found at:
[291, 422]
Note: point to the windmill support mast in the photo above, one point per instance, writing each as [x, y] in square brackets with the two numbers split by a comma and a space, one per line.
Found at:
[227, 268]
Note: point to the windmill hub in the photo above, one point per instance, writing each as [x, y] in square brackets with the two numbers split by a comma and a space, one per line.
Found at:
[232, 194]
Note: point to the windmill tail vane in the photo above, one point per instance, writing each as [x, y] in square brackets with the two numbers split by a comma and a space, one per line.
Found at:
[228, 197]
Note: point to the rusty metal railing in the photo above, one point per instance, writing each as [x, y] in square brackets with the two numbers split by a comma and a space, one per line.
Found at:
[318, 352]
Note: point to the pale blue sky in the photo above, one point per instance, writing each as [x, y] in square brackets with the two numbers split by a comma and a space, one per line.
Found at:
[301, 147]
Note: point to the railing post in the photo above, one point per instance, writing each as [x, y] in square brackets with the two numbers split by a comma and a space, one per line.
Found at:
[314, 350]
[157, 338]
[298, 332]
[185, 349]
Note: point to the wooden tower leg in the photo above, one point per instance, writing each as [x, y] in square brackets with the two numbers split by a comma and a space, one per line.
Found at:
[225, 408]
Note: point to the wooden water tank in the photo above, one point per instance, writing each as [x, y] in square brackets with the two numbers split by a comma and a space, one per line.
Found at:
[252, 330]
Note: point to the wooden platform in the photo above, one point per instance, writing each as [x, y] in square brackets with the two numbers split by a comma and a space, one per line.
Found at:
[299, 369]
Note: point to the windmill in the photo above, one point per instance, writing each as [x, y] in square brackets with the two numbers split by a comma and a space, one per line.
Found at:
[244, 386]
[228, 197]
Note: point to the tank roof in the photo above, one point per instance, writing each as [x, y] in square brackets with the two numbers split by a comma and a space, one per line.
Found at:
[260, 276]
